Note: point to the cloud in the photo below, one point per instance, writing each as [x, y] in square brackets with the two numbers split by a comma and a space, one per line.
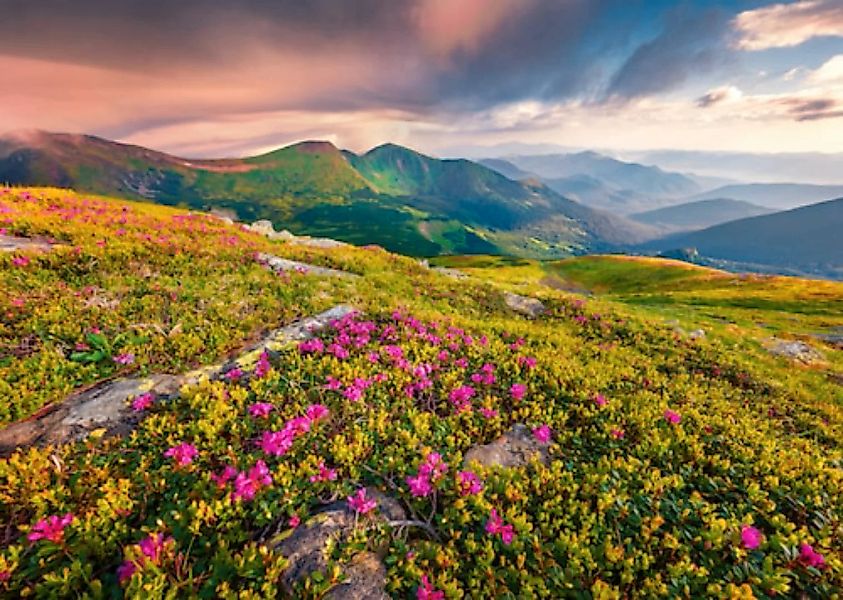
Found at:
[830, 72]
[690, 44]
[728, 93]
[782, 25]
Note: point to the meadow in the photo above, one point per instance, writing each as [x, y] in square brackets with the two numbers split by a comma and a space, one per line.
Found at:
[677, 466]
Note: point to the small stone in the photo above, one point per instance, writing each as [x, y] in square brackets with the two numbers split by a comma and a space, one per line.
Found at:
[529, 307]
[795, 350]
[515, 448]
[284, 265]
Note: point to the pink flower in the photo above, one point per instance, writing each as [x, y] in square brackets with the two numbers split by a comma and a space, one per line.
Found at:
[228, 473]
[495, 526]
[325, 474]
[488, 413]
[433, 466]
[247, 484]
[126, 570]
[517, 391]
[261, 409]
[359, 504]
[124, 359]
[461, 397]
[312, 346]
[183, 454]
[617, 434]
[526, 361]
[810, 557]
[600, 400]
[469, 483]
[276, 443]
[51, 528]
[234, 374]
[420, 486]
[317, 412]
[142, 402]
[20, 261]
[542, 433]
[426, 591]
[672, 416]
[262, 367]
[153, 546]
[751, 537]
[294, 521]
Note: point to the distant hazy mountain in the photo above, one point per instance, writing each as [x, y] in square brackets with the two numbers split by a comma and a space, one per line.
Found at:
[802, 167]
[507, 169]
[805, 240]
[392, 196]
[620, 175]
[700, 214]
[775, 195]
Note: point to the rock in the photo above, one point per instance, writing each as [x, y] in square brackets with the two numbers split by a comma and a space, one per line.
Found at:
[795, 350]
[452, 273]
[529, 307]
[515, 448]
[318, 242]
[105, 406]
[283, 265]
[305, 548]
[833, 339]
[262, 227]
[11, 243]
[697, 334]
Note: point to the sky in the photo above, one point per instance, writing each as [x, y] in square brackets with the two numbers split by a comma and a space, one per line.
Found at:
[212, 78]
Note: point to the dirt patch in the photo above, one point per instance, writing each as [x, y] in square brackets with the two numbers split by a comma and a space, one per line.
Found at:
[556, 283]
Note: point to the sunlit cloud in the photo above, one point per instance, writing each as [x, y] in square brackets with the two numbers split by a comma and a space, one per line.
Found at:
[782, 25]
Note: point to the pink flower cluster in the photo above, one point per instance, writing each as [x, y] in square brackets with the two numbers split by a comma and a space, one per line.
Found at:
[810, 557]
[247, 483]
[142, 402]
[543, 433]
[151, 550]
[461, 398]
[360, 504]
[52, 528]
[324, 474]
[750, 537]
[469, 483]
[262, 367]
[124, 359]
[496, 526]
[261, 410]
[486, 376]
[426, 591]
[517, 391]
[183, 454]
[431, 470]
[672, 417]
[278, 443]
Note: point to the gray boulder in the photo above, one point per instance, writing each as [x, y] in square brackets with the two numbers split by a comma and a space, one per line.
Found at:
[515, 448]
[529, 307]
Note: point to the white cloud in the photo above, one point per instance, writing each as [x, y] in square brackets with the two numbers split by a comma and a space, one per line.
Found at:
[830, 72]
[783, 25]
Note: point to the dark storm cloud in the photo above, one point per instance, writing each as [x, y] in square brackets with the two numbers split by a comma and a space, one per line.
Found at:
[692, 43]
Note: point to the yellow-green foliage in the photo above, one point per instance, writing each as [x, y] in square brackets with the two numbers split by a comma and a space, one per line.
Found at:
[631, 503]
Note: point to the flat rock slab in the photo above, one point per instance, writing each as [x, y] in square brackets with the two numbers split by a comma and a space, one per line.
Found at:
[795, 350]
[284, 265]
[266, 228]
[11, 243]
[515, 448]
[529, 307]
[106, 406]
[305, 549]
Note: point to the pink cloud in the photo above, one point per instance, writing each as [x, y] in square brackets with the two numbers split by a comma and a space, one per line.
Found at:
[782, 25]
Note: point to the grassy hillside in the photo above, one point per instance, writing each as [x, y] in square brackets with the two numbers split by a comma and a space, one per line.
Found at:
[675, 467]
[805, 239]
[390, 196]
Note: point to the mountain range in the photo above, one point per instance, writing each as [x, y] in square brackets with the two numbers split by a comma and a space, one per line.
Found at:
[391, 196]
[700, 214]
[802, 241]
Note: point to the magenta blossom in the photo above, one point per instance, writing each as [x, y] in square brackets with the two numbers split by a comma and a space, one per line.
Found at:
[317, 412]
[324, 474]
[672, 416]
[234, 374]
[495, 526]
[294, 521]
[750, 537]
[126, 570]
[153, 546]
[542, 433]
[419, 485]
[488, 413]
[461, 397]
[228, 473]
[600, 400]
[183, 454]
[248, 483]
[124, 359]
[20, 261]
[810, 557]
[261, 410]
[517, 391]
[469, 483]
[426, 591]
[52, 528]
[276, 443]
[142, 402]
[262, 367]
[617, 434]
[433, 466]
[359, 504]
